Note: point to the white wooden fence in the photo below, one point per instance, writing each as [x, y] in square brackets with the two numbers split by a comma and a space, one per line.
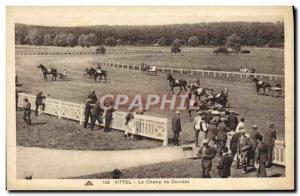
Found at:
[214, 74]
[279, 153]
[147, 126]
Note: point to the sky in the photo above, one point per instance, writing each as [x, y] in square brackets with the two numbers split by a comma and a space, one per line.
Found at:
[87, 16]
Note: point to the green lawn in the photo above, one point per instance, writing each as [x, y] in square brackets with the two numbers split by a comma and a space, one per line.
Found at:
[187, 168]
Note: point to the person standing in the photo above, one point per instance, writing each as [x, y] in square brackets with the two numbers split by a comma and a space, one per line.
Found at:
[197, 126]
[221, 135]
[232, 120]
[108, 118]
[206, 155]
[93, 97]
[129, 124]
[27, 111]
[176, 128]
[261, 157]
[270, 138]
[87, 112]
[39, 102]
[244, 146]
[225, 164]
[96, 115]
[234, 145]
[212, 131]
[253, 135]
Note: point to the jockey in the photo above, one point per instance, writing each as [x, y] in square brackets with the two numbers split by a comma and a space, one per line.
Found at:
[65, 73]
[197, 83]
[98, 69]
[278, 84]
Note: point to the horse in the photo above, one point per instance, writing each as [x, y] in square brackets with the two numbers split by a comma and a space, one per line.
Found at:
[100, 74]
[176, 83]
[247, 70]
[90, 71]
[261, 84]
[46, 72]
[222, 98]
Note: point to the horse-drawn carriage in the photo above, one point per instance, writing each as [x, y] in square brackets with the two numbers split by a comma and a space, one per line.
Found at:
[149, 70]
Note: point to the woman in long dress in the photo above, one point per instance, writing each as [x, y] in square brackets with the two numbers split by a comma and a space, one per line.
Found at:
[130, 124]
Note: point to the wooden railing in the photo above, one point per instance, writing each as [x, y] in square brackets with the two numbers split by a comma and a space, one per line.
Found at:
[147, 126]
[279, 153]
[214, 74]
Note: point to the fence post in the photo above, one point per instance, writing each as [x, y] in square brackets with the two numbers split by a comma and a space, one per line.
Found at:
[241, 75]
[191, 72]
[227, 75]
[81, 114]
[59, 110]
[165, 142]
[202, 73]
[214, 74]
[181, 71]
[171, 70]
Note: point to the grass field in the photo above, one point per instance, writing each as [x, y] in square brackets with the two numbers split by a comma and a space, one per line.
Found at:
[187, 168]
[259, 110]
[264, 60]
[50, 132]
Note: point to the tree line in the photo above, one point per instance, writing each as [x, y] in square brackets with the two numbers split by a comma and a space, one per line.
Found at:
[194, 35]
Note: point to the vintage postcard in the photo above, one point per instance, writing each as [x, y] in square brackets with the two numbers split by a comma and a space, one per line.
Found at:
[150, 98]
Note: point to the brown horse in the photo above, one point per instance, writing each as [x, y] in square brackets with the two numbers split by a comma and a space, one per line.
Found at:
[261, 84]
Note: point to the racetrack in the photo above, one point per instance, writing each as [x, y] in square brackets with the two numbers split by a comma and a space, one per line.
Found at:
[259, 110]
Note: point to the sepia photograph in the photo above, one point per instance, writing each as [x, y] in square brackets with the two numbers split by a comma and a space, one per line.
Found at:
[150, 98]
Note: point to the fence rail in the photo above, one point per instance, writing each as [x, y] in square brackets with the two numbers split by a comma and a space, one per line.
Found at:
[147, 126]
[214, 74]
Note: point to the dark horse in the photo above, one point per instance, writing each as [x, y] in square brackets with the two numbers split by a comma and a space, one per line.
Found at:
[261, 84]
[100, 74]
[222, 98]
[46, 72]
[90, 71]
[176, 83]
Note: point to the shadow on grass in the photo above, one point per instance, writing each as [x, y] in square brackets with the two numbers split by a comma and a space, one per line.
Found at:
[39, 123]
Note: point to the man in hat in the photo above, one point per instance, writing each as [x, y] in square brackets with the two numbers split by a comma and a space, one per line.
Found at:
[232, 120]
[27, 111]
[206, 155]
[234, 145]
[253, 135]
[225, 164]
[96, 114]
[222, 131]
[93, 97]
[176, 128]
[270, 138]
[108, 118]
[244, 146]
[197, 126]
[261, 157]
[39, 102]
[212, 131]
[87, 112]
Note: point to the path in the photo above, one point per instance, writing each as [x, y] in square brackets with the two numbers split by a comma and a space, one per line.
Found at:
[52, 164]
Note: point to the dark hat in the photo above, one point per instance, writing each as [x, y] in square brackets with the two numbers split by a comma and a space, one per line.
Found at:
[25, 99]
[271, 125]
[116, 174]
[213, 121]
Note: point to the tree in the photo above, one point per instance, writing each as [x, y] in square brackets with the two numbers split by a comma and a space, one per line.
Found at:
[100, 50]
[71, 40]
[175, 46]
[177, 43]
[110, 41]
[60, 39]
[193, 41]
[47, 40]
[162, 41]
[80, 40]
[233, 41]
[34, 38]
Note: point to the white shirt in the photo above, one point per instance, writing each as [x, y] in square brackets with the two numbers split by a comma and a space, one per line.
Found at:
[197, 122]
